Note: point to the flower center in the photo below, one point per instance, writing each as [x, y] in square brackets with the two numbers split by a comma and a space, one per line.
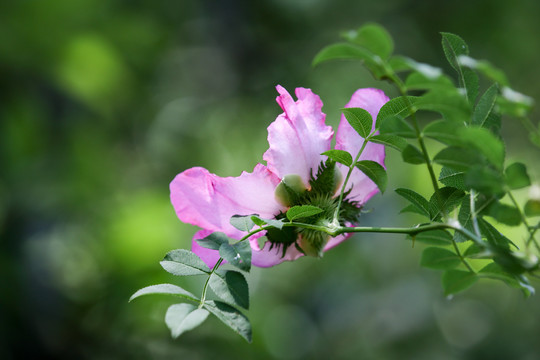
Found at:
[322, 193]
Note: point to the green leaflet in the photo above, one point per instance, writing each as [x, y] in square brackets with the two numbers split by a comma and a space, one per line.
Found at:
[231, 286]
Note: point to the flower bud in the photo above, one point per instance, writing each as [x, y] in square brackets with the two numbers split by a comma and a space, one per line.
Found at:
[312, 242]
[289, 190]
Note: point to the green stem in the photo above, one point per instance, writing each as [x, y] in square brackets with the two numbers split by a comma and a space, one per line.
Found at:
[403, 91]
[205, 288]
[530, 230]
[473, 213]
[351, 168]
[427, 159]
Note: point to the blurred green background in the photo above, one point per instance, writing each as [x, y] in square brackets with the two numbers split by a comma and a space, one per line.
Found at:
[104, 102]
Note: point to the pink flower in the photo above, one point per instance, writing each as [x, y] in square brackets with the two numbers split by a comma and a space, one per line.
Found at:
[297, 138]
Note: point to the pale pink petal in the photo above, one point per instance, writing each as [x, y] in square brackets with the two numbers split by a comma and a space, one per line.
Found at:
[348, 139]
[267, 257]
[334, 241]
[209, 201]
[298, 136]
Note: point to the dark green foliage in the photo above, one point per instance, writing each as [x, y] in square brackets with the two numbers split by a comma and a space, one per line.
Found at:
[360, 120]
[375, 172]
[339, 156]
[412, 155]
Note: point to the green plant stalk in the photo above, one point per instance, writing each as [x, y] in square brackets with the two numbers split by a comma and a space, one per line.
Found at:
[473, 213]
[344, 186]
[531, 230]
[403, 91]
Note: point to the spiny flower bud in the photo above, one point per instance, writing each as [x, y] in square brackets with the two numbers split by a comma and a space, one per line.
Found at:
[289, 190]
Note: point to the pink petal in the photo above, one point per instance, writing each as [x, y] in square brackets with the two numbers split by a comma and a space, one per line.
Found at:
[334, 241]
[267, 257]
[298, 136]
[348, 139]
[209, 201]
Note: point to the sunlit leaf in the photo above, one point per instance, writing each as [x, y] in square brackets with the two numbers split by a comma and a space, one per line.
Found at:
[242, 222]
[184, 317]
[183, 262]
[340, 156]
[164, 289]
